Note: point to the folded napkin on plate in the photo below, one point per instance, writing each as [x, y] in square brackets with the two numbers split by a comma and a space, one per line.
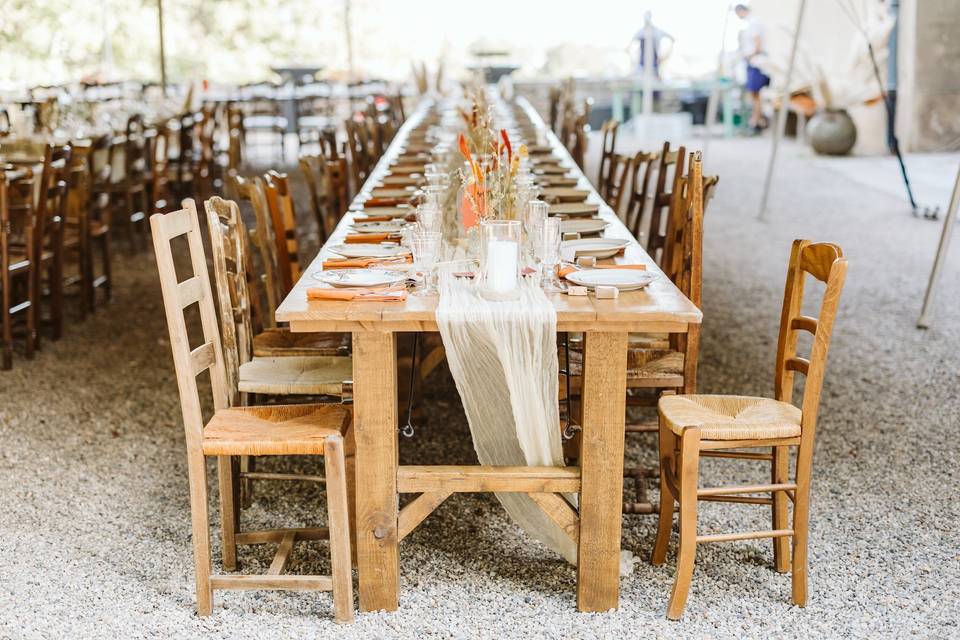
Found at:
[371, 238]
[364, 263]
[393, 294]
[384, 202]
[565, 271]
[410, 217]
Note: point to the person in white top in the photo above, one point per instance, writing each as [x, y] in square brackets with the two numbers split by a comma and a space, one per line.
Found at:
[659, 51]
[752, 50]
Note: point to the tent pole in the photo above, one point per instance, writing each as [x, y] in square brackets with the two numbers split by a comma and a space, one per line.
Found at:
[945, 235]
[163, 57]
[781, 119]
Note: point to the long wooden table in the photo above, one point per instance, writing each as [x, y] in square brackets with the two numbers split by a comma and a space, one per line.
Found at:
[661, 308]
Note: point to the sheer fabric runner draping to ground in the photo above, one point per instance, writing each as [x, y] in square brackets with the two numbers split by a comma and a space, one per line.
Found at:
[503, 357]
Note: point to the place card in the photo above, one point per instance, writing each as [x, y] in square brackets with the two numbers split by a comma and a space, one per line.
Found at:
[576, 290]
[587, 261]
[607, 293]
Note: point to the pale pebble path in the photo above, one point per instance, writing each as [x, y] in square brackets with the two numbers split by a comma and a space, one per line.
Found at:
[94, 523]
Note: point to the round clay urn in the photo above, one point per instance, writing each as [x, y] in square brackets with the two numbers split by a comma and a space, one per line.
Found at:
[832, 132]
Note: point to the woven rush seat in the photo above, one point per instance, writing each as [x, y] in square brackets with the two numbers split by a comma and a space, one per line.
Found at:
[312, 375]
[282, 342]
[730, 417]
[274, 430]
[641, 364]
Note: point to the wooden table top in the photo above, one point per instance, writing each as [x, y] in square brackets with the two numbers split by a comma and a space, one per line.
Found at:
[661, 307]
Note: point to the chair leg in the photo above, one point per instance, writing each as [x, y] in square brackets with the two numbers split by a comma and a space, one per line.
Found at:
[107, 268]
[686, 555]
[7, 321]
[228, 510]
[55, 277]
[339, 521]
[200, 525]
[667, 443]
[350, 466]
[779, 472]
[32, 343]
[801, 522]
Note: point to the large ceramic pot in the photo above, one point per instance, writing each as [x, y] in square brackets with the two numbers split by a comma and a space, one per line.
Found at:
[832, 132]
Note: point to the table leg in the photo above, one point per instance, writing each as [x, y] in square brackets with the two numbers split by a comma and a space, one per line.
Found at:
[375, 428]
[601, 467]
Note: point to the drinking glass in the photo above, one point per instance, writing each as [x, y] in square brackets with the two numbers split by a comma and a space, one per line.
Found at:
[426, 249]
[435, 195]
[533, 216]
[549, 251]
[429, 217]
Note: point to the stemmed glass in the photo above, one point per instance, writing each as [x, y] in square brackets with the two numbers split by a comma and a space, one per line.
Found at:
[426, 250]
[549, 251]
[428, 217]
[533, 216]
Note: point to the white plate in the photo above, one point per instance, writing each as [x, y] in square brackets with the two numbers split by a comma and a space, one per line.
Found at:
[596, 247]
[378, 227]
[359, 277]
[583, 226]
[623, 279]
[361, 250]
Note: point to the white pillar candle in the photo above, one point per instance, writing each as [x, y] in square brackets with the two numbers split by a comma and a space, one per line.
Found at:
[502, 266]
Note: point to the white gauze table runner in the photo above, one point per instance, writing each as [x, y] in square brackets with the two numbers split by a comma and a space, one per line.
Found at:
[503, 357]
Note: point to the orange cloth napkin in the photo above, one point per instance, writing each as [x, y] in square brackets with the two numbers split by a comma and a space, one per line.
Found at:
[363, 263]
[384, 202]
[565, 271]
[392, 294]
[371, 238]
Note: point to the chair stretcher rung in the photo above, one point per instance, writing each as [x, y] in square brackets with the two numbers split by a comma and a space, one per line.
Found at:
[757, 488]
[747, 535]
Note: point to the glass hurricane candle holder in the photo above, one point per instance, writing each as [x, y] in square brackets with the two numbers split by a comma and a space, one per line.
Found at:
[500, 259]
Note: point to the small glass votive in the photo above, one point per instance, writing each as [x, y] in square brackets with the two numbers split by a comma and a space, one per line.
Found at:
[500, 259]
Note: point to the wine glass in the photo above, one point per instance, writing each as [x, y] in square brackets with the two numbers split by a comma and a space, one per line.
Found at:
[428, 217]
[426, 249]
[533, 216]
[549, 251]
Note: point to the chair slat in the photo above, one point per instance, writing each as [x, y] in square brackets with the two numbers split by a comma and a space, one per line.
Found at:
[202, 358]
[190, 291]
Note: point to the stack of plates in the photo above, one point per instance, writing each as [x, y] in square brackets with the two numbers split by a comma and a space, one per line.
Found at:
[574, 209]
[583, 226]
[597, 247]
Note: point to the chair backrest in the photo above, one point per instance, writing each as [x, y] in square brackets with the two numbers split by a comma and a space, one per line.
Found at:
[669, 174]
[314, 169]
[579, 149]
[643, 167]
[178, 296]
[608, 148]
[52, 206]
[252, 191]
[824, 262]
[16, 213]
[160, 192]
[614, 183]
[231, 256]
[284, 217]
[135, 150]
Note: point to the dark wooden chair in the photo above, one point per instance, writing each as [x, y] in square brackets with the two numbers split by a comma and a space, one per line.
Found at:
[18, 262]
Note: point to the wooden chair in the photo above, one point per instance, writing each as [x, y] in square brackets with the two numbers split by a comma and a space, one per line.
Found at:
[668, 175]
[99, 216]
[161, 198]
[48, 235]
[284, 218]
[701, 426]
[77, 231]
[359, 156]
[312, 364]
[18, 262]
[615, 182]
[643, 167]
[252, 191]
[236, 431]
[130, 189]
[578, 149]
[608, 148]
[327, 189]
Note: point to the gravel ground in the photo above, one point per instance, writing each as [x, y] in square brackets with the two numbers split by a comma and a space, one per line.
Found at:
[95, 537]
